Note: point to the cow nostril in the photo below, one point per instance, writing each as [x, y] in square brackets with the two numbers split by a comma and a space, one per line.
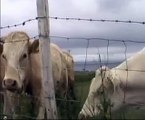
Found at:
[14, 83]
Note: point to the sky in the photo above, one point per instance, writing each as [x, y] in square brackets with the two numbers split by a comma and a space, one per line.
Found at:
[17, 11]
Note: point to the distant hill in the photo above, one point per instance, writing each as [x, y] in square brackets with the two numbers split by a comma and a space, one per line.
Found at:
[92, 66]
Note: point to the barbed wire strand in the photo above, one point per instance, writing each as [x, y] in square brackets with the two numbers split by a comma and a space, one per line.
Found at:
[97, 20]
[74, 19]
[98, 38]
[18, 24]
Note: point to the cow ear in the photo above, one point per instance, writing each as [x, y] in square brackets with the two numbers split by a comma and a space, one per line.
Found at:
[34, 46]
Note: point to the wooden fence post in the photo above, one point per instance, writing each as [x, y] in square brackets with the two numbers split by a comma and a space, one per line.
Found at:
[46, 69]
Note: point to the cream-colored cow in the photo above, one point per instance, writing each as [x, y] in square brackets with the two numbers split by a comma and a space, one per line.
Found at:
[21, 60]
[123, 85]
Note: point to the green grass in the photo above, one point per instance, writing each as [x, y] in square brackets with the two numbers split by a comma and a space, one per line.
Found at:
[70, 110]
[82, 84]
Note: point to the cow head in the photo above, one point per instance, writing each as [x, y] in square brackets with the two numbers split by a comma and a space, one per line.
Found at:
[101, 89]
[16, 52]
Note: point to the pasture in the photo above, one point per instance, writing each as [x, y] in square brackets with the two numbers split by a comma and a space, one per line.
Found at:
[69, 109]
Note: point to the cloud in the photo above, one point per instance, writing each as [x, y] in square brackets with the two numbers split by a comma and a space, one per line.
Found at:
[101, 58]
[16, 11]
[73, 8]
[114, 6]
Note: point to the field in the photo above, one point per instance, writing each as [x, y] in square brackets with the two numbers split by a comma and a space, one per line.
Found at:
[69, 109]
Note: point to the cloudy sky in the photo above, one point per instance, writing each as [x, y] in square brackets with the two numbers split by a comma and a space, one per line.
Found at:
[17, 11]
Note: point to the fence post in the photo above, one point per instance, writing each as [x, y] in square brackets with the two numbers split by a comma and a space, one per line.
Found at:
[46, 69]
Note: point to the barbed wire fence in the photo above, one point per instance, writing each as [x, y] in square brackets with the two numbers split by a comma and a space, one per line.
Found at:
[74, 19]
[88, 41]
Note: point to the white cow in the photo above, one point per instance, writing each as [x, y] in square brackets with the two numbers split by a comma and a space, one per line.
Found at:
[123, 85]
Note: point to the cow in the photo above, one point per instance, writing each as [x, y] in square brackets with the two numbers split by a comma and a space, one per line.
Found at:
[70, 70]
[21, 72]
[121, 86]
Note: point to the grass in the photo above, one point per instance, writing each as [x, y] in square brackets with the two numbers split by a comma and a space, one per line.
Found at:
[82, 84]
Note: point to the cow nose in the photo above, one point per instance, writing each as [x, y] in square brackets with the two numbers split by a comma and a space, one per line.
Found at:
[10, 83]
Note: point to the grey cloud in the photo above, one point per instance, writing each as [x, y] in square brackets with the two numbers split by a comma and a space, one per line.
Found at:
[96, 9]
[114, 6]
[112, 31]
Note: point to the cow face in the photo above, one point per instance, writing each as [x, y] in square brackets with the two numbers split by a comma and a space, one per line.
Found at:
[16, 53]
[98, 99]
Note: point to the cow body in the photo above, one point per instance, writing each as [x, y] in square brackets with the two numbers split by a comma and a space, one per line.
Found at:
[123, 85]
[70, 70]
[21, 60]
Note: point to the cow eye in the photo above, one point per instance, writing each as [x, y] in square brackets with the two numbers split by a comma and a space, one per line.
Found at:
[24, 55]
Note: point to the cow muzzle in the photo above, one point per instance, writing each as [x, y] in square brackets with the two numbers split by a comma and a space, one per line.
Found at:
[10, 84]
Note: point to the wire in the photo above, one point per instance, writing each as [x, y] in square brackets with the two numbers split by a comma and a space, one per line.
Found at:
[74, 19]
